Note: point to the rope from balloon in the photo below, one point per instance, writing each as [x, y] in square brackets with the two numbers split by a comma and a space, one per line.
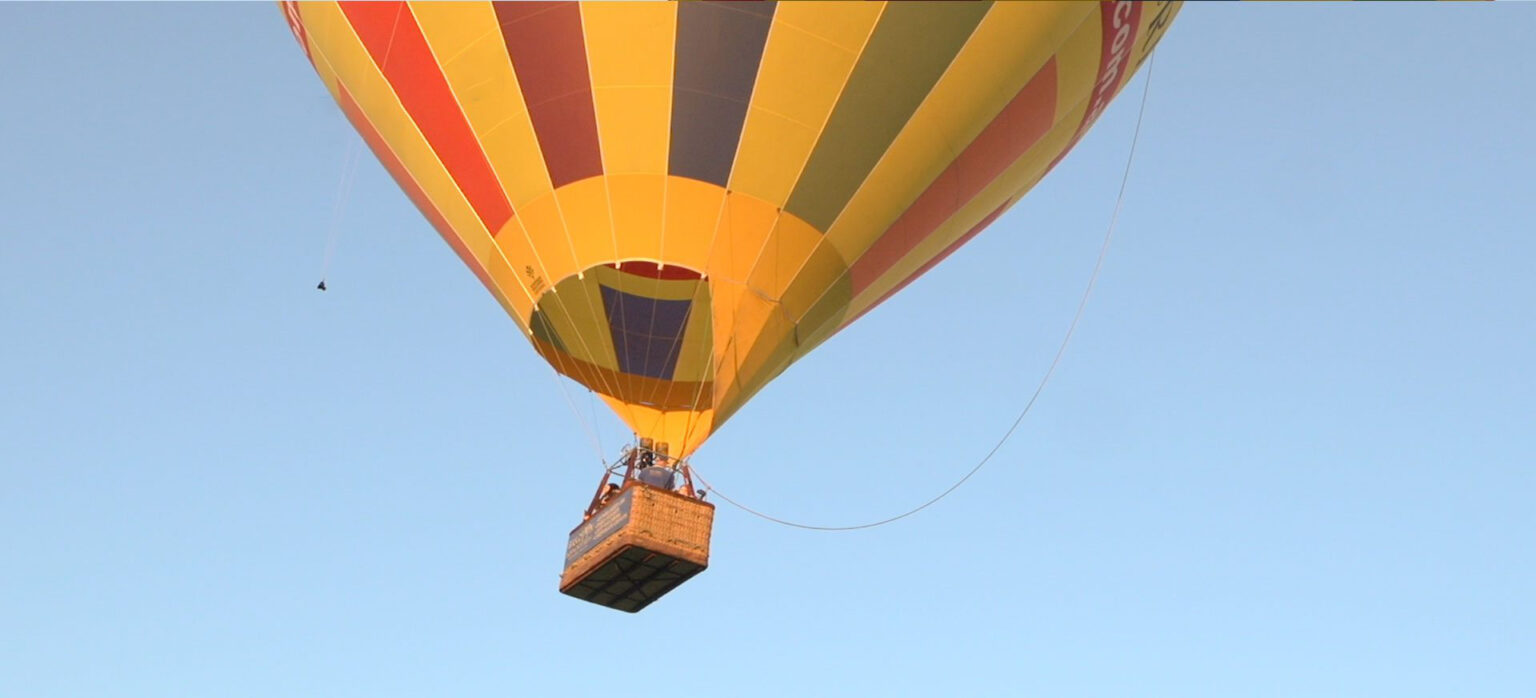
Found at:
[348, 174]
[1066, 339]
[339, 207]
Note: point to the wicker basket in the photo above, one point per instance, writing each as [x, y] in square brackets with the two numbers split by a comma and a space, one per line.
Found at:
[642, 544]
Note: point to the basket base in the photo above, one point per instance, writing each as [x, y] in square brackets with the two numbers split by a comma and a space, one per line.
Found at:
[632, 578]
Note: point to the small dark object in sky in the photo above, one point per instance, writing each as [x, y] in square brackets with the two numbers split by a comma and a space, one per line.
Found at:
[322, 285]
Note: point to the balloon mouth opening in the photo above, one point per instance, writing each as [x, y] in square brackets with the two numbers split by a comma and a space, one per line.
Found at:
[656, 270]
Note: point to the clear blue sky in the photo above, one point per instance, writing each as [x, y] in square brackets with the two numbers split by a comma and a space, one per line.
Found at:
[1291, 451]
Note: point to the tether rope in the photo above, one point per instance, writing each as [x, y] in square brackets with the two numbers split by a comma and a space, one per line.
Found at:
[339, 205]
[1093, 279]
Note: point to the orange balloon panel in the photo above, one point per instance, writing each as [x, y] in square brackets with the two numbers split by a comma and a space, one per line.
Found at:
[675, 201]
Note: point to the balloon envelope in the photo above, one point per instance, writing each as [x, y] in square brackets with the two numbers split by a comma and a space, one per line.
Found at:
[675, 201]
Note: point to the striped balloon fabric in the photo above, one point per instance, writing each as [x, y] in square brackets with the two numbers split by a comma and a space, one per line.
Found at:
[675, 201]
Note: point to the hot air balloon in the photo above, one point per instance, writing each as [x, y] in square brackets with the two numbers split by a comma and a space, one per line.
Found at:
[676, 201]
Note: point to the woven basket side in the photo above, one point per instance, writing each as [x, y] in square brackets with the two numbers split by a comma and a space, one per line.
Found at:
[659, 521]
[672, 524]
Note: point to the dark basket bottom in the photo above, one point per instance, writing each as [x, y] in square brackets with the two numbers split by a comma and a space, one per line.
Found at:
[632, 578]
